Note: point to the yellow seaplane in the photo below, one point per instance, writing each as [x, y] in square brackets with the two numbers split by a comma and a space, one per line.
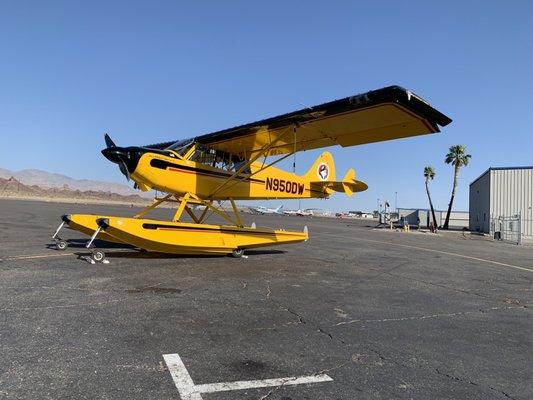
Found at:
[238, 164]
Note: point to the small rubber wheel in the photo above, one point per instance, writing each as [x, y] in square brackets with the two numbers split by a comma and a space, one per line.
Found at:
[98, 255]
[237, 253]
[61, 245]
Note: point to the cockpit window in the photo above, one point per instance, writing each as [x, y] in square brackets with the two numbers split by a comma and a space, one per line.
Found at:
[218, 159]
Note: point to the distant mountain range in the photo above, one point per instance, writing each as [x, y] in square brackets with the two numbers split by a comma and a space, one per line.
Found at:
[48, 180]
[12, 188]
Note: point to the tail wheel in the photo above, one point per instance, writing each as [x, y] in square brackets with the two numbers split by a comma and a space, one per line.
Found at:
[61, 245]
[237, 253]
[98, 255]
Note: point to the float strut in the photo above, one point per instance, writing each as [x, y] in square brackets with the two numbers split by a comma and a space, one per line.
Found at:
[58, 229]
[90, 242]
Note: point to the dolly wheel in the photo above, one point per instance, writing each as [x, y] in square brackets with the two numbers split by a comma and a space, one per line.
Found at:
[98, 255]
[237, 253]
[61, 245]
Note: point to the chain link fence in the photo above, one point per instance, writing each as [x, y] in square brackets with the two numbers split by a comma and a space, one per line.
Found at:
[507, 228]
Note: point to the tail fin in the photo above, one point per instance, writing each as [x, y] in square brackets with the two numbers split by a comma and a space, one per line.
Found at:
[321, 177]
[347, 182]
[348, 185]
[279, 209]
[322, 170]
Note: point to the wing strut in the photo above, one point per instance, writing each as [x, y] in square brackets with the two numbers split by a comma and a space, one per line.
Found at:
[294, 151]
[264, 150]
[190, 198]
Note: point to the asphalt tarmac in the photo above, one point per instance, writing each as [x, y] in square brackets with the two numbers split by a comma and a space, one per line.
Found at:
[382, 314]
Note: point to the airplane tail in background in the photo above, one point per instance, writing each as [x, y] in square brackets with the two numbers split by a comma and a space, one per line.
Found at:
[279, 210]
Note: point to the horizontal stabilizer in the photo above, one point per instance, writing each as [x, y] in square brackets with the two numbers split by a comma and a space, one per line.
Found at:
[348, 185]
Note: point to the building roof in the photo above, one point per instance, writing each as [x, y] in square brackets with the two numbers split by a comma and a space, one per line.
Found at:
[428, 210]
[498, 169]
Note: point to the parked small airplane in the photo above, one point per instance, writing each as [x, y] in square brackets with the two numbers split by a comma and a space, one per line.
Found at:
[304, 213]
[238, 164]
[290, 212]
[266, 210]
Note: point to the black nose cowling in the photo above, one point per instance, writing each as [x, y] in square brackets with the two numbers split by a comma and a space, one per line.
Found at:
[129, 156]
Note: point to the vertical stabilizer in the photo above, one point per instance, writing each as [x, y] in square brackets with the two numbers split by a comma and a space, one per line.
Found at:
[323, 169]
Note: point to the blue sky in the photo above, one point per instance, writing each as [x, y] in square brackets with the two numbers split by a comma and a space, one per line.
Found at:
[162, 70]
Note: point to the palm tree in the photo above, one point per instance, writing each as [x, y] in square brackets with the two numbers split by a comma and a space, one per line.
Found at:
[429, 174]
[458, 158]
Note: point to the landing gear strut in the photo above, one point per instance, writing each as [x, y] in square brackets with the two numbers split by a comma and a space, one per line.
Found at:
[60, 243]
[97, 255]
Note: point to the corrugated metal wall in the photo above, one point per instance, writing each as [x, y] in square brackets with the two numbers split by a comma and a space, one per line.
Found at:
[479, 204]
[511, 192]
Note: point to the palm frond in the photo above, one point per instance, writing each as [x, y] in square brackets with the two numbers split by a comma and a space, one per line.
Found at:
[457, 156]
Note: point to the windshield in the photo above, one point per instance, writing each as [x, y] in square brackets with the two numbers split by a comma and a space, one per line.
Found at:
[181, 146]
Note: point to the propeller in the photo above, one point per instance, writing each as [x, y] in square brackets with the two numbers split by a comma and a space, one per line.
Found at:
[122, 167]
[109, 142]
[117, 156]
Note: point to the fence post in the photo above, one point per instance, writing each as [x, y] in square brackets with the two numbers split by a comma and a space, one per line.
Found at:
[519, 227]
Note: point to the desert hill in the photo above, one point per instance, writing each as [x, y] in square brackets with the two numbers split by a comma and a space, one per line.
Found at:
[13, 188]
[48, 180]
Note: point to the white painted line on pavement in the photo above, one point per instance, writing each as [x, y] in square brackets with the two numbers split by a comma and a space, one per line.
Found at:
[189, 391]
[434, 251]
[240, 385]
[181, 377]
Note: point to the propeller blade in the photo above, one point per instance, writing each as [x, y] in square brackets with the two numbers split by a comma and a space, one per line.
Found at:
[108, 141]
[124, 170]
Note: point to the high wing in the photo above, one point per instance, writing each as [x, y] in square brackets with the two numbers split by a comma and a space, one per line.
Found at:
[384, 114]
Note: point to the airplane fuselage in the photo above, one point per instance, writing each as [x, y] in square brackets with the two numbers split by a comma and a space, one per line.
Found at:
[179, 176]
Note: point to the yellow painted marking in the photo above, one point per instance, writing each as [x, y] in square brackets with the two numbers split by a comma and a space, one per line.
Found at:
[13, 258]
[438, 251]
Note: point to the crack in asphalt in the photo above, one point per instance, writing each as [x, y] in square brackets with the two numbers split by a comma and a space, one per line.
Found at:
[470, 382]
[430, 316]
[321, 372]
[386, 272]
[303, 320]
[441, 286]
[269, 291]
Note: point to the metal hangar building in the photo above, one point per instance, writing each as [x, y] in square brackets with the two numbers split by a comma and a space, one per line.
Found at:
[502, 196]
